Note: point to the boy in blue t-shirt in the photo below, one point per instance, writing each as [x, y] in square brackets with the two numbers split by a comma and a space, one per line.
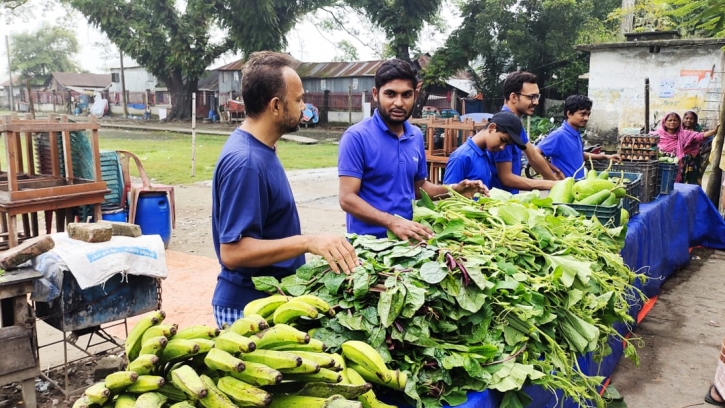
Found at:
[471, 162]
[565, 147]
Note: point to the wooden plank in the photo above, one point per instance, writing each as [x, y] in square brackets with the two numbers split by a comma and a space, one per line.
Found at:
[19, 152]
[95, 147]
[29, 393]
[29, 154]
[12, 164]
[57, 191]
[52, 205]
[41, 182]
[15, 290]
[19, 376]
[22, 310]
[67, 156]
[12, 231]
[18, 276]
[28, 126]
[54, 155]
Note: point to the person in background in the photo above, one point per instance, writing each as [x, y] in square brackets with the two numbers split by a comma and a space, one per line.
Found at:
[690, 122]
[382, 163]
[715, 392]
[521, 96]
[255, 224]
[565, 146]
[685, 145]
[470, 161]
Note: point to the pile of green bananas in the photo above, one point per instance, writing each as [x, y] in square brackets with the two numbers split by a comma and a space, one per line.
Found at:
[261, 360]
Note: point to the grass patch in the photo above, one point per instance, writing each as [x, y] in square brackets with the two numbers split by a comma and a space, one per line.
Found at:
[166, 156]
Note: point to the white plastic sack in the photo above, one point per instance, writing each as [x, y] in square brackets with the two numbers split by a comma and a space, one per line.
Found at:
[93, 264]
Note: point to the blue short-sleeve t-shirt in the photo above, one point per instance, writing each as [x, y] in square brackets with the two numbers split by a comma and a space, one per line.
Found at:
[510, 153]
[565, 148]
[468, 162]
[251, 197]
[387, 165]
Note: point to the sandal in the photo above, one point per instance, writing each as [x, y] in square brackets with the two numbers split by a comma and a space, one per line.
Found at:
[710, 400]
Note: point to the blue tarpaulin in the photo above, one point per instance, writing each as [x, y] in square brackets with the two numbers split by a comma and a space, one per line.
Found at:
[658, 242]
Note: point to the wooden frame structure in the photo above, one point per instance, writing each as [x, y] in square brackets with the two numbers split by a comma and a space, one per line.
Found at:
[455, 133]
[24, 191]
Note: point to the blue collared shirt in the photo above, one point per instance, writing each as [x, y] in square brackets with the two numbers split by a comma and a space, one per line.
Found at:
[468, 162]
[510, 153]
[564, 147]
[387, 165]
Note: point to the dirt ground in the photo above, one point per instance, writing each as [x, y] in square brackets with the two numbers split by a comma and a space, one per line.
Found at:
[681, 334]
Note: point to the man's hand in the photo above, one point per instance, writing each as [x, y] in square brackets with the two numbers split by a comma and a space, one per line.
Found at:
[336, 251]
[470, 187]
[613, 157]
[558, 173]
[407, 230]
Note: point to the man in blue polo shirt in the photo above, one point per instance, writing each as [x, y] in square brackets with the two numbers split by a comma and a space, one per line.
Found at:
[565, 147]
[255, 225]
[521, 95]
[382, 163]
[470, 161]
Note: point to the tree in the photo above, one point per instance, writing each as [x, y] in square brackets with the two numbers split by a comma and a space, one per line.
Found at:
[349, 52]
[704, 16]
[174, 42]
[499, 36]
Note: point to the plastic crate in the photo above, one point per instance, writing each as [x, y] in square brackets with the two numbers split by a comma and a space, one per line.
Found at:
[666, 174]
[648, 170]
[606, 215]
[633, 189]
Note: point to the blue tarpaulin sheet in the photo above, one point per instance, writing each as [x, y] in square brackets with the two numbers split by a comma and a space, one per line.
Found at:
[658, 242]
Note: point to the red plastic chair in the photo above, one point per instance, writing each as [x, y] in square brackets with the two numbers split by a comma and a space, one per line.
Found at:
[132, 191]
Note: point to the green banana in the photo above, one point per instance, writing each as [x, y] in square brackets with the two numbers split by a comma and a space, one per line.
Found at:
[274, 359]
[307, 367]
[243, 394]
[368, 399]
[125, 401]
[204, 345]
[179, 349]
[221, 360]
[279, 335]
[98, 393]
[144, 364]
[364, 355]
[292, 310]
[166, 330]
[234, 343]
[249, 324]
[324, 375]
[133, 341]
[154, 345]
[258, 374]
[398, 379]
[198, 331]
[339, 363]
[82, 402]
[118, 381]
[172, 392]
[215, 398]
[146, 383]
[265, 306]
[299, 401]
[324, 360]
[315, 301]
[326, 390]
[183, 404]
[150, 400]
[314, 345]
[186, 379]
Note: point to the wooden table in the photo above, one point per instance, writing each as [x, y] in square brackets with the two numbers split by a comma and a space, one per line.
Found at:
[18, 338]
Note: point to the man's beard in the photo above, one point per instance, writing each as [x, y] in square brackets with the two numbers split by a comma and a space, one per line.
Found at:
[290, 125]
[386, 116]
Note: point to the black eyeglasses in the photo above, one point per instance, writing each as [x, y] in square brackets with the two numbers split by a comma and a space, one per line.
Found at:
[534, 97]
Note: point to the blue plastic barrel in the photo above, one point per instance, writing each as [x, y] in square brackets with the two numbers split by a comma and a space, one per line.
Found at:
[116, 214]
[153, 215]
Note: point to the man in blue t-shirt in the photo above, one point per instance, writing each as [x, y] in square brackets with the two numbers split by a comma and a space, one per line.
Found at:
[382, 162]
[471, 162]
[521, 95]
[255, 224]
[565, 147]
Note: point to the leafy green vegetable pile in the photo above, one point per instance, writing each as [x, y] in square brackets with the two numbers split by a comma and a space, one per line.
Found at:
[507, 293]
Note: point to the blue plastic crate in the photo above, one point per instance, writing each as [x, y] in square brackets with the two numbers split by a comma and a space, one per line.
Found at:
[666, 174]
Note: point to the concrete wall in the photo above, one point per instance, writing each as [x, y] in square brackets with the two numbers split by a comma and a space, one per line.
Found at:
[679, 81]
[136, 78]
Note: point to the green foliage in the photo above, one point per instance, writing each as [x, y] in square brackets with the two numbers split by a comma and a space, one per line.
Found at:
[35, 55]
[703, 17]
[349, 51]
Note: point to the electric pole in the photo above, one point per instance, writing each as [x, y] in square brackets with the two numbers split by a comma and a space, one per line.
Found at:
[123, 89]
[10, 74]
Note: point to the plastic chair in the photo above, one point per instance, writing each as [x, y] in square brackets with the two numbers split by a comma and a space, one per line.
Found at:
[112, 174]
[132, 191]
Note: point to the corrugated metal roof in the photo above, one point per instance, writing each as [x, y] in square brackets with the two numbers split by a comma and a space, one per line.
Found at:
[338, 69]
[83, 80]
[237, 65]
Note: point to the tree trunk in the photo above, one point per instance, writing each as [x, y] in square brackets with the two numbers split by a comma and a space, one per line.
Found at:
[180, 92]
[31, 108]
[714, 182]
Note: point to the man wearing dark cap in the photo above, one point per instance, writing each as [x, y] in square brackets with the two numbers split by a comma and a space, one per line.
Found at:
[470, 161]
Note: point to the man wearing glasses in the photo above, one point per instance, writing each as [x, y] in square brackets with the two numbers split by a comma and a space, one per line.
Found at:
[521, 95]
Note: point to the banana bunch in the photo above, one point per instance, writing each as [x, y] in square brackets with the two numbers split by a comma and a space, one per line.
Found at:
[261, 360]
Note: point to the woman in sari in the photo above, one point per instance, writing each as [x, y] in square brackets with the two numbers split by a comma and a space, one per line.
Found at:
[685, 145]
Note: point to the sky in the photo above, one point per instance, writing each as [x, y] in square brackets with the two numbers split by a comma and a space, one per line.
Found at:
[306, 42]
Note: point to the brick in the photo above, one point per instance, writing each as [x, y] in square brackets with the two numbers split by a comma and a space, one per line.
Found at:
[107, 365]
[29, 249]
[124, 229]
[90, 232]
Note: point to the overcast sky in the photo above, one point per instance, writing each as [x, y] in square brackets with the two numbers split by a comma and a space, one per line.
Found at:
[305, 42]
